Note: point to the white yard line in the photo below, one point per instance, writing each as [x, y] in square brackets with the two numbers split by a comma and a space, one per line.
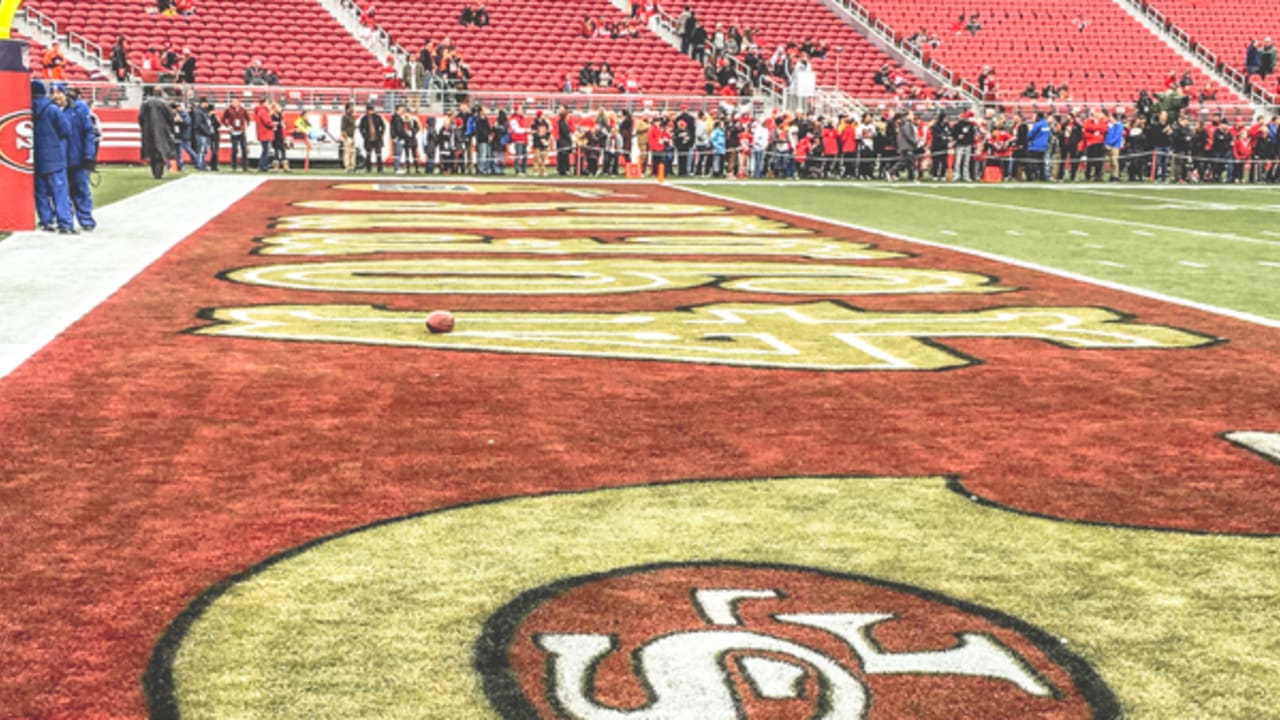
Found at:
[1191, 204]
[1079, 216]
[1139, 292]
[48, 282]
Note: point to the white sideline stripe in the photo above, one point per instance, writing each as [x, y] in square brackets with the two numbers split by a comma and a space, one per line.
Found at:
[48, 282]
[1189, 204]
[1108, 263]
[1079, 216]
[1139, 292]
[1188, 263]
[1266, 444]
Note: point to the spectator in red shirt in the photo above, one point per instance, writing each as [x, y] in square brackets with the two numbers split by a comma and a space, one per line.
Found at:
[1094, 132]
[266, 132]
[1241, 153]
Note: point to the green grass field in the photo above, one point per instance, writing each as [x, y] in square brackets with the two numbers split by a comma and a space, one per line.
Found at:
[1217, 246]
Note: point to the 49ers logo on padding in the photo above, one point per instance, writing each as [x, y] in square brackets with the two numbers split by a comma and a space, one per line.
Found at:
[17, 141]
[724, 641]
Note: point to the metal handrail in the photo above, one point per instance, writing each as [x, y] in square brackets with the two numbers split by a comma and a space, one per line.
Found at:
[1227, 73]
[771, 86]
[889, 35]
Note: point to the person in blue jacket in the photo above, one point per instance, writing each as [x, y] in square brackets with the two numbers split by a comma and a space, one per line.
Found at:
[1113, 142]
[718, 149]
[53, 198]
[82, 158]
[1037, 146]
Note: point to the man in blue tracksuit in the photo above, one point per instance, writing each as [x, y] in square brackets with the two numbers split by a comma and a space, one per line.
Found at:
[1037, 146]
[82, 158]
[53, 199]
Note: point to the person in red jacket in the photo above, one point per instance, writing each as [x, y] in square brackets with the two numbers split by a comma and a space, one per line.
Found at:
[830, 151]
[849, 146]
[1094, 132]
[660, 146]
[1241, 153]
[266, 132]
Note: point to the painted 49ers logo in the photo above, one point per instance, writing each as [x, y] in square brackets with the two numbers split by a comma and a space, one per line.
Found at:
[727, 641]
[17, 141]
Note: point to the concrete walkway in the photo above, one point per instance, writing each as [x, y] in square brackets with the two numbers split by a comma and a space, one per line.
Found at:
[49, 281]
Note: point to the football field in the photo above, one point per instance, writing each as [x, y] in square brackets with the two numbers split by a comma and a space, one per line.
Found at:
[703, 450]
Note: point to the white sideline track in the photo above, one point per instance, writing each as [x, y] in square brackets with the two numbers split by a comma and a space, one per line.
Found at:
[49, 281]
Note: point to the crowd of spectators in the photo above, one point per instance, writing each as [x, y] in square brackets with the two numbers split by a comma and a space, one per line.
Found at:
[1160, 143]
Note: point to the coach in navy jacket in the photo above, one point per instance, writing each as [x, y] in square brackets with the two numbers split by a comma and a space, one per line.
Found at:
[53, 199]
[82, 158]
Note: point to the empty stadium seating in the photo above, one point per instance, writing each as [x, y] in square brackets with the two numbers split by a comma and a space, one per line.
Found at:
[532, 44]
[782, 21]
[1112, 58]
[302, 42]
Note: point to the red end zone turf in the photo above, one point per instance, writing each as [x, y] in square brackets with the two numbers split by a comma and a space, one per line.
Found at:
[143, 463]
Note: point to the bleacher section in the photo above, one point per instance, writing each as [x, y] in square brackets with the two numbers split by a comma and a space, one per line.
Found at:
[1225, 27]
[779, 22]
[531, 45]
[298, 38]
[1112, 58]
[71, 71]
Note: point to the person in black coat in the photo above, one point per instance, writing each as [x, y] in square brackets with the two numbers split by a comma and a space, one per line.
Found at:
[155, 118]
[564, 141]
[939, 144]
[372, 129]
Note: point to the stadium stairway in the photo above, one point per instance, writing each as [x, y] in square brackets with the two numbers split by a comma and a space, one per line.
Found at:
[72, 71]
[1093, 46]
[302, 42]
[776, 23]
[531, 45]
[1219, 32]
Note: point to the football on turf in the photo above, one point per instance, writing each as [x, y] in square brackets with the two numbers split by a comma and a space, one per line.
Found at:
[440, 321]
